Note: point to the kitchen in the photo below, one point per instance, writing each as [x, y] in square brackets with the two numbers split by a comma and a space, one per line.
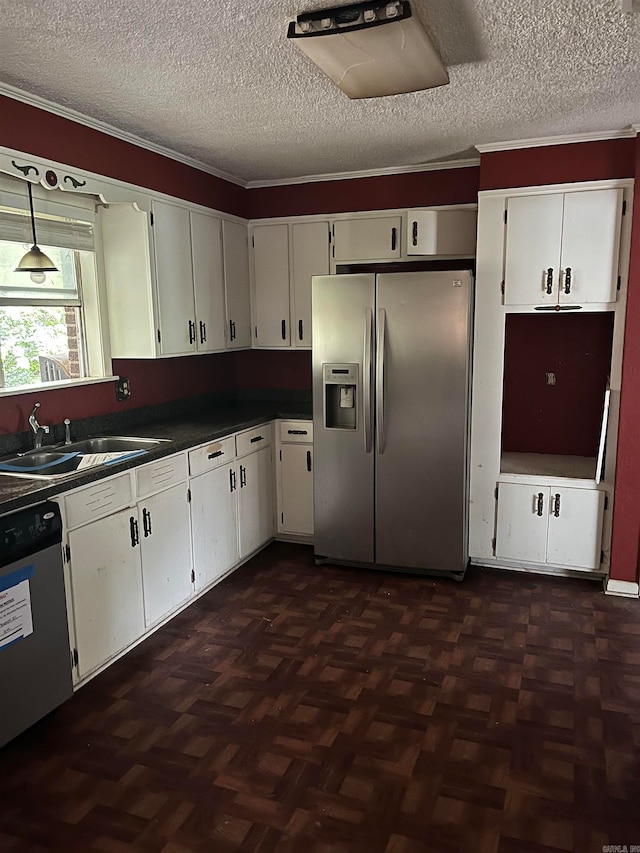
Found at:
[270, 373]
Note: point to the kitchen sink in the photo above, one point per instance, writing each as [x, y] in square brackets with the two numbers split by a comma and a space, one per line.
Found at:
[64, 460]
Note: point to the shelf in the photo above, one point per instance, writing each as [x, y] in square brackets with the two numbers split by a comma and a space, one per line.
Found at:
[548, 465]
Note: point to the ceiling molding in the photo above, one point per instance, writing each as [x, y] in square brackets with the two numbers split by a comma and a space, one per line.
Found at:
[367, 173]
[103, 127]
[542, 141]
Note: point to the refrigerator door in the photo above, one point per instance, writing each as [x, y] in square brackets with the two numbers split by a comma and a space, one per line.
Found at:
[342, 308]
[422, 405]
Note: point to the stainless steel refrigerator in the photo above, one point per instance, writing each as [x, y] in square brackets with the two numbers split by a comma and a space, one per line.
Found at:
[391, 380]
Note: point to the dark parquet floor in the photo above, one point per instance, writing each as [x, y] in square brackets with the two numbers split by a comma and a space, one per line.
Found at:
[296, 708]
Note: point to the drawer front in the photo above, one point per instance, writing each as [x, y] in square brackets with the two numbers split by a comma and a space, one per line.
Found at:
[211, 455]
[99, 499]
[161, 474]
[254, 439]
[296, 432]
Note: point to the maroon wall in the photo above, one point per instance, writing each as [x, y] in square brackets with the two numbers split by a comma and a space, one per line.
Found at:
[558, 164]
[44, 134]
[271, 369]
[565, 417]
[625, 550]
[417, 189]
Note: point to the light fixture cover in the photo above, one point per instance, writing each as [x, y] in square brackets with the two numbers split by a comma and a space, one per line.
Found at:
[36, 261]
[370, 49]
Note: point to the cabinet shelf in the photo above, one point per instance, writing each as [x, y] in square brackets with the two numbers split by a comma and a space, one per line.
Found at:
[549, 465]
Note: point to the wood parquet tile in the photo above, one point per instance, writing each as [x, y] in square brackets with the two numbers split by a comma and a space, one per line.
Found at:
[297, 708]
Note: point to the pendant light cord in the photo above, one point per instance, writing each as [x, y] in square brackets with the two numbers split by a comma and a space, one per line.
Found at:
[33, 218]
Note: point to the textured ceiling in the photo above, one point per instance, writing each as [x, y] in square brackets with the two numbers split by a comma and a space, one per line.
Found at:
[220, 82]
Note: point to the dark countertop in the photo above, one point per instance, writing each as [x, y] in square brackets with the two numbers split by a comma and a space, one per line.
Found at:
[184, 432]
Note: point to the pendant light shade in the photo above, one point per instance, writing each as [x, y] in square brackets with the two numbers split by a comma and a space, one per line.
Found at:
[35, 261]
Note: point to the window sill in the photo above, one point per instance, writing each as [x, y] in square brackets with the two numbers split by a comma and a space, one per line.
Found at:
[51, 386]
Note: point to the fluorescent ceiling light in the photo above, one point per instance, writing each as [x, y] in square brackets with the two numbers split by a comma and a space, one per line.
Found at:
[370, 49]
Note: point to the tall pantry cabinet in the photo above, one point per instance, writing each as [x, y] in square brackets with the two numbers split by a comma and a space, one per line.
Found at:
[552, 268]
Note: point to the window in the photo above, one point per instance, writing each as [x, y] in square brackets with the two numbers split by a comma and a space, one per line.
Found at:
[45, 326]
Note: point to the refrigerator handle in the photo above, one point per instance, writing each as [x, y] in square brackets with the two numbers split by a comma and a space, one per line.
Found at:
[366, 380]
[382, 322]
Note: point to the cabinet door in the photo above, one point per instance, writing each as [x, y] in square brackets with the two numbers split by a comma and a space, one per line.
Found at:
[523, 519]
[214, 525]
[575, 527]
[208, 281]
[107, 588]
[310, 256]
[370, 239]
[165, 543]
[174, 278]
[590, 246]
[296, 489]
[235, 248]
[255, 500]
[532, 259]
[270, 245]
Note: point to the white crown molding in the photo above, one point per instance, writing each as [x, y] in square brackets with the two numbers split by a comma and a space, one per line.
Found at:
[103, 127]
[367, 173]
[542, 141]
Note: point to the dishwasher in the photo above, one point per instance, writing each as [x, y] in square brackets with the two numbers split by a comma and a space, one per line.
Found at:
[35, 659]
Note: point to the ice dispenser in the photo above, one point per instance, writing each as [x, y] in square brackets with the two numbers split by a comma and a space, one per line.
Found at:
[340, 387]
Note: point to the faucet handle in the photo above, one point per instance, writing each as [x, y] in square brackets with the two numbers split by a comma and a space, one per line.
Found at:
[67, 431]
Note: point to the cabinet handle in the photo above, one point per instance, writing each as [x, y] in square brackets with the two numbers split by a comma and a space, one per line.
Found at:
[203, 332]
[549, 287]
[567, 280]
[297, 432]
[133, 527]
[393, 239]
[232, 480]
[540, 503]
[256, 438]
[146, 522]
[308, 460]
[216, 454]
[232, 330]
[243, 476]
[283, 328]
[192, 332]
[556, 505]
[415, 233]
[300, 330]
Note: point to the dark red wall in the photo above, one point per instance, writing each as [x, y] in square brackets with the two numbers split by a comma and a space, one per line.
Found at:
[418, 189]
[625, 550]
[44, 134]
[558, 164]
[565, 417]
[270, 369]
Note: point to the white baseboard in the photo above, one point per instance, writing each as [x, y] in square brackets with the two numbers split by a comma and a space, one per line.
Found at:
[628, 589]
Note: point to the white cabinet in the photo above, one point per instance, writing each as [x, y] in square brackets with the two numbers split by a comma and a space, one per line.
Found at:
[106, 584]
[285, 257]
[548, 524]
[236, 283]
[165, 544]
[375, 238]
[441, 232]
[562, 248]
[214, 524]
[255, 500]
[272, 326]
[294, 478]
[168, 278]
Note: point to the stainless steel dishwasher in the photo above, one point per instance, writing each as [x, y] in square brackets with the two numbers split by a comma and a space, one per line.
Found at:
[35, 660]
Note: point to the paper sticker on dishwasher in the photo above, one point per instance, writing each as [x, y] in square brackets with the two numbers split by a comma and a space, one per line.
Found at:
[16, 621]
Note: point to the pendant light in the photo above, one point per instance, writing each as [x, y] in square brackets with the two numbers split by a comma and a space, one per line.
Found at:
[35, 261]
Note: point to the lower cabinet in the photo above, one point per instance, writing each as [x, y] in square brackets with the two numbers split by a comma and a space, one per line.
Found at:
[547, 524]
[107, 593]
[214, 524]
[255, 500]
[294, 469]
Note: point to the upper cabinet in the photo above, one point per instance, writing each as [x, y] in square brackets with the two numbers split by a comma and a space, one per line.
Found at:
[441, 232]
[562, 248]
[236, 281]
[285, 257]
[168, 280]
[367, 239]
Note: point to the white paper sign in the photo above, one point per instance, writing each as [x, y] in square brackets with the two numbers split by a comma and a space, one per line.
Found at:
[15, 613]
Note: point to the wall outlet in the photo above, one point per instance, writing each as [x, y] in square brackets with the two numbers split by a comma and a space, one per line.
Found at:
[123, 388]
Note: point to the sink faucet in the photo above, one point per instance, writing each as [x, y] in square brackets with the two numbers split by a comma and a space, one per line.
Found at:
[38, 431]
